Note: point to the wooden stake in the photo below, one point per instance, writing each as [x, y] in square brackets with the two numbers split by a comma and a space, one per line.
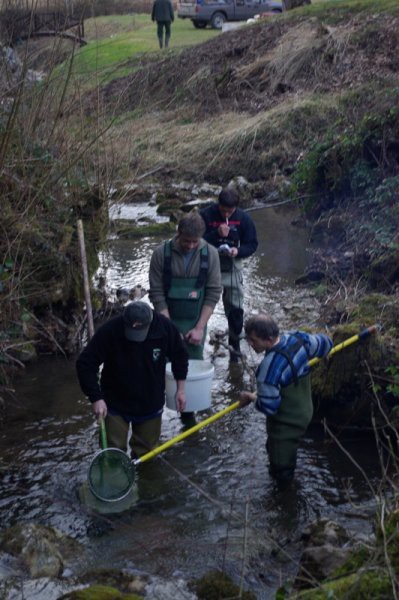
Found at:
[86, 284]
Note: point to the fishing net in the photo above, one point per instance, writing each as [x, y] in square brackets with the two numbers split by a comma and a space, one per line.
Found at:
[111, 475]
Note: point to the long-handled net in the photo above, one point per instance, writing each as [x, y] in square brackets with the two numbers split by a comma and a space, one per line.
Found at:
[111, 475]
[111, 472]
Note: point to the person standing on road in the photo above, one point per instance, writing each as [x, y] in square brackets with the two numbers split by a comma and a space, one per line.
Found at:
[283, 388]
[185, 285]
[133, 349]
[162, 13]
[232, 231]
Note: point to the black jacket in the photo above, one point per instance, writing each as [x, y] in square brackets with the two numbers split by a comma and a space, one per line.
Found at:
[133, 376]
[162, 10]
[242, 230]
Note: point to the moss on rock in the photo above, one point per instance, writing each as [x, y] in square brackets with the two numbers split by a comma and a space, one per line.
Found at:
[169, 206]
[99, 592]
[371, 584]
[378, 308]
[128, 230]
[384, 270]
[357, 559]
[216, 585]
[341, 385]
[388, 538]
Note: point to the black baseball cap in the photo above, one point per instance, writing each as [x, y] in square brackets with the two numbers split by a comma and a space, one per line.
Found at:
[137, 318]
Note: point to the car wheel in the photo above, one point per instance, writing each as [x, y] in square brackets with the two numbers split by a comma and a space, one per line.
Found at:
[199, 24]
[217, 20]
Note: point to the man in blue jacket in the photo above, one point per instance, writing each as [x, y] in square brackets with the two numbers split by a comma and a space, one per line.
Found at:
[133, 349]
[232, 231]
[162, 13]
[283, 388]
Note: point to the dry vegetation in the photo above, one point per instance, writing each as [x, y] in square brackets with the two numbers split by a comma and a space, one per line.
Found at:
[278, 74]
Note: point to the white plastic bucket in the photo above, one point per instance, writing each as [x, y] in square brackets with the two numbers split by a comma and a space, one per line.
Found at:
[198, 385]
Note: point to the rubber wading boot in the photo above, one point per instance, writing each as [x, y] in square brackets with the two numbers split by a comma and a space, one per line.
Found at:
[235, 354]
[188, 419]
[235, 322]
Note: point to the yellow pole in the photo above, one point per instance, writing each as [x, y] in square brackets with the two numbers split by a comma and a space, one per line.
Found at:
[365, 333]
[185, 434]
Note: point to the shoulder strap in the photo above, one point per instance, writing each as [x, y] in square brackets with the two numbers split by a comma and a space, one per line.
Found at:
[167, 265]
[292, 352]
[204, 266]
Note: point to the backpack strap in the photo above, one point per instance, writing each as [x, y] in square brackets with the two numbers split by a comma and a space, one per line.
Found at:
[167, 265]
[288, 355]
[204, 266]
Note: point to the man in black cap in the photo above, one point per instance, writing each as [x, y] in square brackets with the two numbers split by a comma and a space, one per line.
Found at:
[133, 349]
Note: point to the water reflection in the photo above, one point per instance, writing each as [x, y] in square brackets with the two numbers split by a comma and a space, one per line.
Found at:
[140, 212]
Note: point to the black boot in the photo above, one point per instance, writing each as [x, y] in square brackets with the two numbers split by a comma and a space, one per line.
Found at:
[235, 354]
[188, 419]
[235, 319]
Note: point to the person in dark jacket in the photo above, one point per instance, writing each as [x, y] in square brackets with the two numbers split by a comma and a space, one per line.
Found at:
[162, 13]
[233, 233]
[133, 349]
[283, 388]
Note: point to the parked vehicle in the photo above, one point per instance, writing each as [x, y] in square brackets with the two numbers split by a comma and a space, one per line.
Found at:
[216, 12]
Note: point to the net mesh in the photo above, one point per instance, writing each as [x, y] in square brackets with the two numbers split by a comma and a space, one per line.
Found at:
[111, 475]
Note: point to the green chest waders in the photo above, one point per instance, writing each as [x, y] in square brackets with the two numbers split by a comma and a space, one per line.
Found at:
[185, 297]
[184, 304]
[287, 427]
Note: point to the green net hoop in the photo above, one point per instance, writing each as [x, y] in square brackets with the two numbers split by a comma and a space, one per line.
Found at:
[111, 475]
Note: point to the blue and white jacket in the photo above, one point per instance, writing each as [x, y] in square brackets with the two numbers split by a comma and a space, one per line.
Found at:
[275, 371]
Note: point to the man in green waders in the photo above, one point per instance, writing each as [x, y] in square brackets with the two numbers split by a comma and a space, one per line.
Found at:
[283, 388]
[185, 285]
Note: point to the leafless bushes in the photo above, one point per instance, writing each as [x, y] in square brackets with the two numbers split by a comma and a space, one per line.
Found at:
[46, 183]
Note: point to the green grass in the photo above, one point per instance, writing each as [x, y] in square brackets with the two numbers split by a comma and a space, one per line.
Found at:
[334, 11]
[115, 43]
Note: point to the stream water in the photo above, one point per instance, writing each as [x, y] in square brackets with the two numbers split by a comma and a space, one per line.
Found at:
[208, 502]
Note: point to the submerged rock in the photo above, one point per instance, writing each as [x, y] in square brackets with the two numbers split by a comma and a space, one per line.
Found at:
[42, 549]
[326, 550]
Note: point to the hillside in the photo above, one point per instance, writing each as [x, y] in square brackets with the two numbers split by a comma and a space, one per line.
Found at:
[236, 94]
[258, 67]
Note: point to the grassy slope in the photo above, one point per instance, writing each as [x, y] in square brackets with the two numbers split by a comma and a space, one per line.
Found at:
[118, 41]
[206, 97]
